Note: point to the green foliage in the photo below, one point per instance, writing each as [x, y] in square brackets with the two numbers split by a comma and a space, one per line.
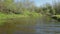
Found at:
[56, 7]
[27, 9]
[8, 2]
[32, 14]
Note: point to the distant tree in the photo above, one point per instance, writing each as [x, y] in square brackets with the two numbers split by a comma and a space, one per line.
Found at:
[50, 9]
[57, 7]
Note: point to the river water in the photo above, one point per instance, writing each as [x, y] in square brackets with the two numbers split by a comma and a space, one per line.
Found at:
[40, 27]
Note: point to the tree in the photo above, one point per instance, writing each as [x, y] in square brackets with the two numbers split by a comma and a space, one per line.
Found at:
[50, 9]
[56, 7]
[7, 5]
[27, 4]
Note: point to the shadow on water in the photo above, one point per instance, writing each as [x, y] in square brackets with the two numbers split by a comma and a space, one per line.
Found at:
[30, 26]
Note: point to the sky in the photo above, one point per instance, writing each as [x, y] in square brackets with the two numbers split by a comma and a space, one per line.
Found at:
[41, 2]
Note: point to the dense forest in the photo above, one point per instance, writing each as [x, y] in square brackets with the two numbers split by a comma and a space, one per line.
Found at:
[9, 6]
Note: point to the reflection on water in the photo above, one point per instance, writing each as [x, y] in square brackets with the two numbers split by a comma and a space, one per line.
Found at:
[29, 26]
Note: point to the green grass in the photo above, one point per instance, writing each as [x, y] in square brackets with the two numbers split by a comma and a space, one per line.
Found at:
[5, 17]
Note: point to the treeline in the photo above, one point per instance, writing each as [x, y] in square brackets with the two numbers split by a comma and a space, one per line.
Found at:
[11, 6]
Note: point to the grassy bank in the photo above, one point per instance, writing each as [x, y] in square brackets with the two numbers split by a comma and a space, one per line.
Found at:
[10, 18]
[26, 16]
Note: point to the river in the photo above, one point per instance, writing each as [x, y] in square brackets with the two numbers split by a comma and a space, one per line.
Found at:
[35, 26]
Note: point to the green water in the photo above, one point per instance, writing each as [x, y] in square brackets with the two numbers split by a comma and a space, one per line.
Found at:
[29, 26]
[12, 25]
